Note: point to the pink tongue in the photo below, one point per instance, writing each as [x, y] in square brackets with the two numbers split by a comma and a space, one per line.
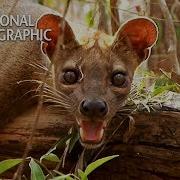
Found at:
[91, 131]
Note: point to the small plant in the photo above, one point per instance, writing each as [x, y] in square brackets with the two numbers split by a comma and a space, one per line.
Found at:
[39, 171]
[38, 174]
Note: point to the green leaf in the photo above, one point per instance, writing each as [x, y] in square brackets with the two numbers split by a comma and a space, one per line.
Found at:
[36, 171]
[63, 177]
[82, 175]
[50, 157]
[67, 176]
[161, 90]
[91, 167]
[89, 18]
[8, 164]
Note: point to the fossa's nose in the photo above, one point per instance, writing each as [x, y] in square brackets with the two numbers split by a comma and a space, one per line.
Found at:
[97, 108]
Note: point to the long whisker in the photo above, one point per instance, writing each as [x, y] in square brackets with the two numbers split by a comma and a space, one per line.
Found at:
[123, 110]
[58, 107]
[58, 92]
[57, 102]
[54, 94]
[28, 92]
[34, 96]
[58, 96]
[42, 73]
[51, 95]
[38, 66]
[31, 80]
[54, 99]
[60, 99]
[47, 91]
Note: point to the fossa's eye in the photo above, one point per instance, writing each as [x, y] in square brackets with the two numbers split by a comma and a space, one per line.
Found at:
[118, 79]
[71, 76]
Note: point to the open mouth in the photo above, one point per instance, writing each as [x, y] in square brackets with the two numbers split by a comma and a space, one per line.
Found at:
[91, 133]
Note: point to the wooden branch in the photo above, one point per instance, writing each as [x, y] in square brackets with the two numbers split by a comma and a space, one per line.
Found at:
[115, 21]
[152, 152]
[170, 36]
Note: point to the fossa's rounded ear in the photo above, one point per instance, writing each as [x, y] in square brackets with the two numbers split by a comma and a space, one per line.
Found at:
[141, 34]
[58, 28]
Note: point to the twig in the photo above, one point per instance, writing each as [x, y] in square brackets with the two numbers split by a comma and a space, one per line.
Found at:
[115, 21]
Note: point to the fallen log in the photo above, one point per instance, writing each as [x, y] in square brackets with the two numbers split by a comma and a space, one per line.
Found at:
[152, 151]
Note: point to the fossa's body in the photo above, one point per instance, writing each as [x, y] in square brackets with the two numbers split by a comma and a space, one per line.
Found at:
[90, 83]
[15, 60]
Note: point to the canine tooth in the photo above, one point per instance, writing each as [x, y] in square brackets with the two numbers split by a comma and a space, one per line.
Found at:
[101, 133]
[81, 133]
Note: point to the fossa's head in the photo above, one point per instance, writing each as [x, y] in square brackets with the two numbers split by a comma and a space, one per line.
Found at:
[92, 83]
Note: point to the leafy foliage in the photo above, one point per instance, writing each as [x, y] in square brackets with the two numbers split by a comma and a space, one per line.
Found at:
[38, 167]
[38, 174]
[153, 96]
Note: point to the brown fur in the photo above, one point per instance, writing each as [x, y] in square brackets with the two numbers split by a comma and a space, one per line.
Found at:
[15, 58]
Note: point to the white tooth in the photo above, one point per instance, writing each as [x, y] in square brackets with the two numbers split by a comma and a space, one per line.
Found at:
[81, 133]
[101, 133]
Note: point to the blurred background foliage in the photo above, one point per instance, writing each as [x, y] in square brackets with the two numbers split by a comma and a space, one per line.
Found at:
[85, 11]
[86, 15]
